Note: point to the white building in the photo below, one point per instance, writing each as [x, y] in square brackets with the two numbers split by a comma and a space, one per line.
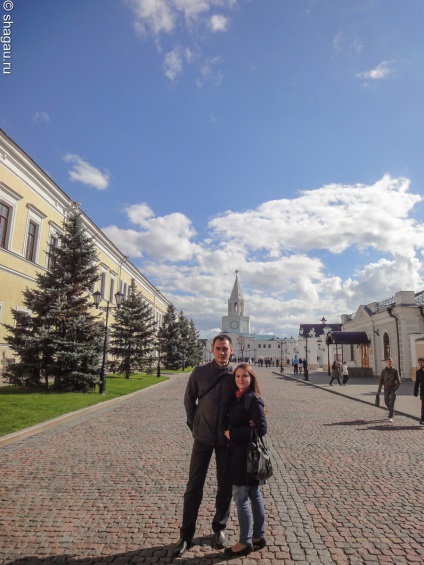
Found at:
[253, 347]
[393, 327]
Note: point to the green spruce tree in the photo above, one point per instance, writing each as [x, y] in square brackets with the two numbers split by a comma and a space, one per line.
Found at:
[184, 339]
[61, 339]
[133, 334]
[169, 340]
[195, 350]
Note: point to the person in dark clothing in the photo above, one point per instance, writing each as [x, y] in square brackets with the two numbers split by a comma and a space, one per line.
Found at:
[335, 372]
[209, 392]
[247, 408]
[419, 386]
[390, 379]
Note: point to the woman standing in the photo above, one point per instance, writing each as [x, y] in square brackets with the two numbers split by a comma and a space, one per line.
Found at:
[248, 407]
[335, 372]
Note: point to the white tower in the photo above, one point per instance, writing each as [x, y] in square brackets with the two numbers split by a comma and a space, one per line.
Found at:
[236, 321]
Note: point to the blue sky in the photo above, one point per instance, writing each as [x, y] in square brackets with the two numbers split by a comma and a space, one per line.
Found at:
[283, 138]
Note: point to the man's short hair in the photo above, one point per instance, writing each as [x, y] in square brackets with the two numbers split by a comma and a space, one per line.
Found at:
[388, 359]
[222, 337]
[420, 359]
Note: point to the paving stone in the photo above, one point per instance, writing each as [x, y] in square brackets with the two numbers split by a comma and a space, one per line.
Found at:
[107, 487]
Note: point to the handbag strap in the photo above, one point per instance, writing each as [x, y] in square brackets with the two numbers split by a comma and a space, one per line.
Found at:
[255, 437]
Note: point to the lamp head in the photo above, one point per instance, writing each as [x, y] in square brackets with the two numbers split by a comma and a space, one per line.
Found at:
[97, 298]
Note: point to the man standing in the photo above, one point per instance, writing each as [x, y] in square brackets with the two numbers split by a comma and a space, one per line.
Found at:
[419, 386]
[390, 379]
[296, 365]
[210, 390]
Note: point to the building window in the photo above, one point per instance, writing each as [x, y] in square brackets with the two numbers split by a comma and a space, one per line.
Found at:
[386, 345]
[4, 223]
[103, 284]
[31, 241]
[9, 200]
[259, 345]
[51, 257]
[112, 289]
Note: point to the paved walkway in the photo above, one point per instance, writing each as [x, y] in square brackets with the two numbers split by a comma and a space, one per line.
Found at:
[107, 486]
[364, 390]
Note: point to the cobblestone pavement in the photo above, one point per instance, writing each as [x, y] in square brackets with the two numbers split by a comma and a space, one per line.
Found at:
[107, 487]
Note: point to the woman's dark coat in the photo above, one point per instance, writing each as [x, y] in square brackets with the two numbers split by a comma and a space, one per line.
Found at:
[248, 407]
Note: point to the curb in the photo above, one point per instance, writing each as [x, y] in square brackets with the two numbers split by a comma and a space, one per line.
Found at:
[345, 395]
[28, 432]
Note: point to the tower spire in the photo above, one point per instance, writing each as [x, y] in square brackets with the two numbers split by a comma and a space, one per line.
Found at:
[236, 321]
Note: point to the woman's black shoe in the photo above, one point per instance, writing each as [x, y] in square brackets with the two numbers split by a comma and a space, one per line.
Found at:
[260, 544]
[245, 551]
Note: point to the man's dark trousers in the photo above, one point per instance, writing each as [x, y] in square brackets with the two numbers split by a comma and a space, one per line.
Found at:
[389, 401]
[199, 464]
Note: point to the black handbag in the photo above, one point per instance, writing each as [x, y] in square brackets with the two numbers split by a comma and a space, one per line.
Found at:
[259, 465]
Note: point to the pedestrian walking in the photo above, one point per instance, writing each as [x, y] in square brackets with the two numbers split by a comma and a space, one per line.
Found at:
[300, 365]
[390, 380]
[419, 386]
[247, 407]
[209, 392]
[295, 363]
[345, 372]
[335, 373]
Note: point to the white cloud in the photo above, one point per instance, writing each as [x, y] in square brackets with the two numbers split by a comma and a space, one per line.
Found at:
[382, 70]
[40, 117]
[85, 173]
[284, 250]
[173, 64]
[161, 19]
[158, 17]
[154, 16]
[166, 238]
[341, 42]
[210, 72]
[218, 23]
[337, 217]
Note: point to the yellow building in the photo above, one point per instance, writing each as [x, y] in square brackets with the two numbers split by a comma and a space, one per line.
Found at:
[32, 210]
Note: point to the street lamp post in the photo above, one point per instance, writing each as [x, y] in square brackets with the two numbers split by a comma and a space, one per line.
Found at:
[158, 367]
[305, 368]
[305, 365]
[281, 341]
[97, 298]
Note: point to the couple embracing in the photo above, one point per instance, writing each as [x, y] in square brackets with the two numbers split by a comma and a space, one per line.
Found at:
[221, 406]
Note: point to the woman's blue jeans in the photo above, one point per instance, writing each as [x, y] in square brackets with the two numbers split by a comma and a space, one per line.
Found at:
[241, 496]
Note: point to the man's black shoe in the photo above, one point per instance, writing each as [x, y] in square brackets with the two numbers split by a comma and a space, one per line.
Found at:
[181, 547]
[220, 540]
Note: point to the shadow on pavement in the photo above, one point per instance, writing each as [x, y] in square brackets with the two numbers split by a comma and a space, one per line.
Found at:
[351, 423]
[389, 427]
[160, 554]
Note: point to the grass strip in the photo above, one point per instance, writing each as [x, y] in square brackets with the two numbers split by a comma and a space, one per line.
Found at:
[21, 408]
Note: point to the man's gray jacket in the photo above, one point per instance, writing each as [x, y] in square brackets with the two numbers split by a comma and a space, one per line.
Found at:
[207, 411]
[390, 379]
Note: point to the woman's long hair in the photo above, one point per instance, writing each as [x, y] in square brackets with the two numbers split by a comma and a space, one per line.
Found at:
[254, 385]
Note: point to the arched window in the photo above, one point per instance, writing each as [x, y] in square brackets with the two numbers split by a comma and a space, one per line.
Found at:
[386, 345]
